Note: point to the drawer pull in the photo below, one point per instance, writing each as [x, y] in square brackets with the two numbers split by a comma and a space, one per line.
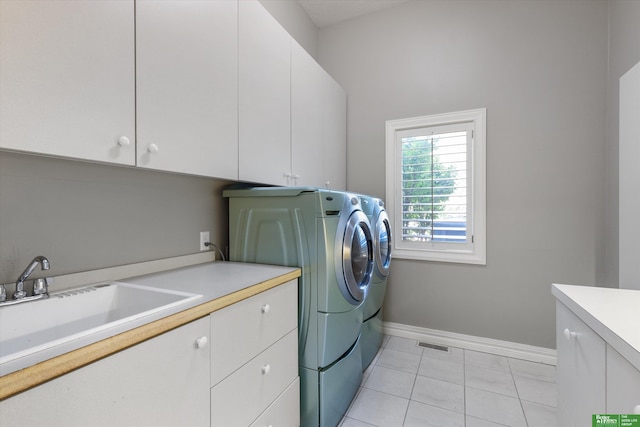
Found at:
[569, 334]
[201, 342]
[265, 308]
[266, 369]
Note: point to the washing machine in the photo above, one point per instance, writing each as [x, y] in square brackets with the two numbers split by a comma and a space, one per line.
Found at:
[371, 334]
[328, 236]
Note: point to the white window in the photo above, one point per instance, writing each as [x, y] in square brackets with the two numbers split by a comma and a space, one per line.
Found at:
[435, 174]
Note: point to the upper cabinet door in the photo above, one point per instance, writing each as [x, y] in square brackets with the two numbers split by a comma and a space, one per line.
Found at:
[306, 118]
[67, 78]
[629, 209]
[334, 134]
[265, 97]
[187, 86]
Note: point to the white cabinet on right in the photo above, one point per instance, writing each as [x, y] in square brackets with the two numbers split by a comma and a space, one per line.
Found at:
[623, 385]
[581, 363]
[598, 352]
[629, 209]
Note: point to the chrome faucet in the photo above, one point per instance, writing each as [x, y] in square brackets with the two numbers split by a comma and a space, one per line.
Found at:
[20, 292]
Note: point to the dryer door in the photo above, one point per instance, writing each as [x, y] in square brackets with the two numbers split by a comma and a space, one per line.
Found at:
[382, 244]
[357, 258]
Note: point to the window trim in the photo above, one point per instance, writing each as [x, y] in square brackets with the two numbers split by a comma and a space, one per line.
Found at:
[436, 251]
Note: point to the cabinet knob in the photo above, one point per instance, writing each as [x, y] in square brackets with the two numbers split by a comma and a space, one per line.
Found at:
[636, 410]
[327, 184]
[569, 334]
[265, 308]
[153, 148]
[201, 342]
[266, 369]
[123, 141]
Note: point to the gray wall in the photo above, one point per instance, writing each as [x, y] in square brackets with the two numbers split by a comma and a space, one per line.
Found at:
[540, 69]
[624, 52]
[85, 216]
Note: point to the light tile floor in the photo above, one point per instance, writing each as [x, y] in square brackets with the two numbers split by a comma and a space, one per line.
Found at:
[407, 386]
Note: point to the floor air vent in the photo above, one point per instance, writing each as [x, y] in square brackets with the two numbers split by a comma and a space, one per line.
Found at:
[433, 346]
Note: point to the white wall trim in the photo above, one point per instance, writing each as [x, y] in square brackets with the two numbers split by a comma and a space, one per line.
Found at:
[469, 342]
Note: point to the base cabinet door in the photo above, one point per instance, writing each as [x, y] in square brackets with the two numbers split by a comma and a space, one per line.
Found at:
[581, 362]
[161, 382]
[623, 385]
[285, 411]
[240, 398]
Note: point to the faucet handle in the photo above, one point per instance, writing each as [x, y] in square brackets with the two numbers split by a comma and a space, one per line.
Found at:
[41, 285]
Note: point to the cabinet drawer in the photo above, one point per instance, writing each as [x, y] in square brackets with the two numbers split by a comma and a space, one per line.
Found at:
[241, 397]
[285, 411]
[580, 367]
[241, 331]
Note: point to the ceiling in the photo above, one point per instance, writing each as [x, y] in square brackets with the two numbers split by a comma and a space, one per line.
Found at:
[328, 12]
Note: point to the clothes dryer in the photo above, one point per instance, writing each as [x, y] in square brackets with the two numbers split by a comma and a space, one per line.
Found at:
[371, 335]
[328, 236]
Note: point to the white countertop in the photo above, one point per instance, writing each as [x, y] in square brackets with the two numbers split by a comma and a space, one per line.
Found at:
[212, 280]
[614, 314]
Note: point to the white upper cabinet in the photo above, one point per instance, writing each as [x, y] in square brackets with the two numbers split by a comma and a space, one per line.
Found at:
[292, 113]
[334, 134]
[67, 78]
[629, 234]
[187, 86]
[203, 87]
[264, 97]
[306, 118]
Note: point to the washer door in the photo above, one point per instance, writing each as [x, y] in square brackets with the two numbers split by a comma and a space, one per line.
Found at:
[382, 236]
[357, 258]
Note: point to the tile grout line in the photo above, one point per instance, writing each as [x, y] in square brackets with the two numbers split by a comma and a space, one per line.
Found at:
[524, 415]
[464, 384]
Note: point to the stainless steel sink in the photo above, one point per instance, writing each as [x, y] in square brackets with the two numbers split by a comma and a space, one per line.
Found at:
[67, 316]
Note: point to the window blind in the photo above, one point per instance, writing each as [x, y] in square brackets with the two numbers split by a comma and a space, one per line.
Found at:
[434, 186]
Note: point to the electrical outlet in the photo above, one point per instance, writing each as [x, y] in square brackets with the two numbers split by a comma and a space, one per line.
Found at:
[204, 238]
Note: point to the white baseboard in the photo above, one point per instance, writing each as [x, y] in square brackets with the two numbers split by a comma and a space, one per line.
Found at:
[469, 342]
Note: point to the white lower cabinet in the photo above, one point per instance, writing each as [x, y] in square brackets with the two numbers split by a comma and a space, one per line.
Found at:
[254, 360]
[240, 398]
[284, 412]
[623, 385]
[581, 367]
[160, 382]
[592, 377]
[244, 373]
